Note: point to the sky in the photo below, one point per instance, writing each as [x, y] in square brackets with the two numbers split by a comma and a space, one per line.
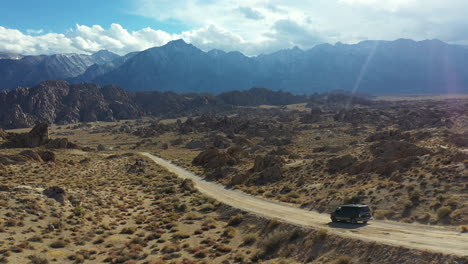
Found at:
[253, 27]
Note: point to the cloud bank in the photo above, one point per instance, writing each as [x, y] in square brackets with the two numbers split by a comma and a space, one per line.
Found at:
[257, 26]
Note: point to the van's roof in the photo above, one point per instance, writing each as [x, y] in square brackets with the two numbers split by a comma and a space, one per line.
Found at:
[354, 205]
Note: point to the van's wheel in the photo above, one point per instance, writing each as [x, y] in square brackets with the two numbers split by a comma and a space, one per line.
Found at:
[353, 221]
[334, 220]
[365, 222]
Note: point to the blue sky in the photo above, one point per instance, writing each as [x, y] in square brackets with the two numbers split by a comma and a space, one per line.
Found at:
[250, 26]
[61, 15]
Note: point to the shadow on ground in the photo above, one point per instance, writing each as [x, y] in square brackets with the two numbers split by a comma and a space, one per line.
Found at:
[344, 225]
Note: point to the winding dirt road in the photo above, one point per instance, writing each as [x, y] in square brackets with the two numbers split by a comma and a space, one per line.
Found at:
[438, 239]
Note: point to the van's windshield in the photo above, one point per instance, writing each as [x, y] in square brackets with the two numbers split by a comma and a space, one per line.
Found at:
[364, 209]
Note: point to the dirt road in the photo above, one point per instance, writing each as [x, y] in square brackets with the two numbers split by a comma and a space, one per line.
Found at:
[438, 239]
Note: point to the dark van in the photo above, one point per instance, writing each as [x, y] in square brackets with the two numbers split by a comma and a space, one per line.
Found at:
[352, 213]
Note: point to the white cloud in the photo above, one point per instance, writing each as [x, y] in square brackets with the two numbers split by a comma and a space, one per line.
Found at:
[258, 26]
[251, 13]
[335, 20]
[83, 39]
[390, 5]
[32, 31]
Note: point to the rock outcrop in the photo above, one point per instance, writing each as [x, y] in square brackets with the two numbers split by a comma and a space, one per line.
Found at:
[62, 103]
[27, 156]
[214, 159]
[390, 156]
[38, 136]
[57, 193]
[266, 169]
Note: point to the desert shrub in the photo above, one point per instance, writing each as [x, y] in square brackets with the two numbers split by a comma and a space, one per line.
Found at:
[295, 235]
[274, 223]
[272, 243]
[180, 207]
[383, 214]
[294, 195]
[415, 195]
[187, 185]
[452, 203]
[408, 204]
[11, 222]
[193, 216]
[128, 230]
[444, 212]
[249, 239]
[200, 253]
[236, 220]
[99, 240]
[171, 248]
[343, 260]
[229, 232]
[322, 234]
[35, 238]
[78, 211]
[464, 228]
[356, 199]
[180, 235]
[208, 207]
[223, 248]
[239, 258]
[58, 244]
[37, 260]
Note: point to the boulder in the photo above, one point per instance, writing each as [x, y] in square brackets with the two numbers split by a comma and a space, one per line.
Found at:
[61, 143]
[214, 158]
[219, 141]
[32, 155]
[267, 169]
[13, 159]
[195, 144]
[101, 147]
[242, 141]
[137, 167]
[263, 162]
[47, 156]
[57, 193]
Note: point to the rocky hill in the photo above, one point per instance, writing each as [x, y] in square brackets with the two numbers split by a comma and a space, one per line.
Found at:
[29, 70]
[63, 103]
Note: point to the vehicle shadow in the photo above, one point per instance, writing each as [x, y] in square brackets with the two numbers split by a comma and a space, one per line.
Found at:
[344, 225]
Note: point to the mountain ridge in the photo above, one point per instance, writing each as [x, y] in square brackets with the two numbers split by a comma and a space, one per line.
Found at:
[60, 102]
[402, 66]
[30, 70]
[379, 67]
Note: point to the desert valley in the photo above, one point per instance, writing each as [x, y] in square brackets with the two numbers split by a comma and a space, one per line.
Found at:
[234, 132]
[87, 193]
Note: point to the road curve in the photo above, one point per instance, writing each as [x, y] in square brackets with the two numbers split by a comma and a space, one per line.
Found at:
[437, 239]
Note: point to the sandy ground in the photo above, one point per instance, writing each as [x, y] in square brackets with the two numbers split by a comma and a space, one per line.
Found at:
[444, 240]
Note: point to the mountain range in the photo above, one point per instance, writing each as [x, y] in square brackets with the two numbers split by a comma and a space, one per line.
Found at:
[402, 66]
[18, 70]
